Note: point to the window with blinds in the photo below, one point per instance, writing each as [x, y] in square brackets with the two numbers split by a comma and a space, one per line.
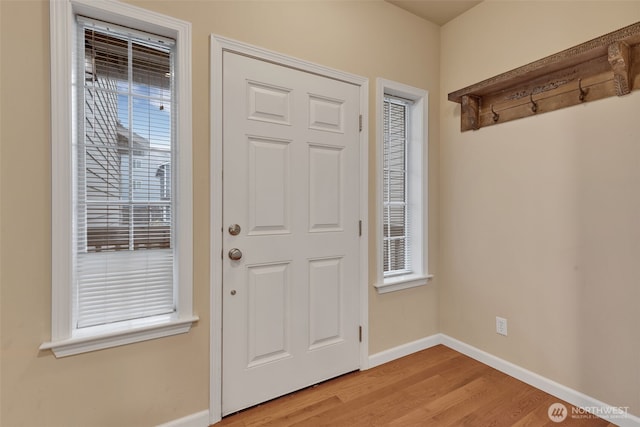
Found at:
[124, 260]
[395, 212]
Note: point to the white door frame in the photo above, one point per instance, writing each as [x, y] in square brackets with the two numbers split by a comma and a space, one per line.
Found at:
[220, 44]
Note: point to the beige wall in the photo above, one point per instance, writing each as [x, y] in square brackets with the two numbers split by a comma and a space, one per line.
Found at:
[160, 380]
[540, 217]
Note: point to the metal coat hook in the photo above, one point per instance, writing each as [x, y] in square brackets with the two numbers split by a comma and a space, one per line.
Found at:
[534, 104]
[496, 116]
[583, 93]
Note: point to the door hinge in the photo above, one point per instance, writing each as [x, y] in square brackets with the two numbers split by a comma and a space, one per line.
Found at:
[360, 122]
[360, 228]
[359, 333]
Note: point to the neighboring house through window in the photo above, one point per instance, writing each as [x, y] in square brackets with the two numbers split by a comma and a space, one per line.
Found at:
[163, 173]
[402, 184]
[121, 241]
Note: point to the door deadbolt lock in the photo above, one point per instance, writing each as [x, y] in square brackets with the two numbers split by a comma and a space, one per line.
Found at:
[235, 254]
[234, 229]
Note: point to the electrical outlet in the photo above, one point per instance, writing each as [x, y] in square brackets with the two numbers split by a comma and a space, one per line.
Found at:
[501, 326]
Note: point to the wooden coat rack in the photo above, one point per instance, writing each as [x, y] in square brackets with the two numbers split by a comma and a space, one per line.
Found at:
[606, 66]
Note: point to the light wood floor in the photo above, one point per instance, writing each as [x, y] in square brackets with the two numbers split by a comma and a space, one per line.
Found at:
[434, 387]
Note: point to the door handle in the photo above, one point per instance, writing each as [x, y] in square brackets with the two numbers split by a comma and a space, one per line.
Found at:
[234, 229]
[235, 254]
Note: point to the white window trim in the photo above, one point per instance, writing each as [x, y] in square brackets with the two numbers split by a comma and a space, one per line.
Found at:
[418, 198]
[65, 339]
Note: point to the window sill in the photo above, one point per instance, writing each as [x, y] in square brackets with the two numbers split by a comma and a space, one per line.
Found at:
[102, 337]
[398, 283]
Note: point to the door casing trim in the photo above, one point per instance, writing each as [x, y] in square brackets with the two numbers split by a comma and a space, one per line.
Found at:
[219, 45]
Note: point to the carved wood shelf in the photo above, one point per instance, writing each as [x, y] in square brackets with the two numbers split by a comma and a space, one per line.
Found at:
[606, 66]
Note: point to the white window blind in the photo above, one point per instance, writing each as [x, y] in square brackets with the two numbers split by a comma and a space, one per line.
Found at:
[396, 248]
[124, 261]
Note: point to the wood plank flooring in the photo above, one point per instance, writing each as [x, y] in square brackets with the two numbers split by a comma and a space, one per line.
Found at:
[434, 387]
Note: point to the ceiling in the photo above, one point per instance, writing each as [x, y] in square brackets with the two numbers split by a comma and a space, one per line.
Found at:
[437, 11]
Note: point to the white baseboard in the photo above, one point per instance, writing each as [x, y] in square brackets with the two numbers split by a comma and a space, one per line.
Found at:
[404, 350]
[199, 419]
[574, 397]
[560, 391]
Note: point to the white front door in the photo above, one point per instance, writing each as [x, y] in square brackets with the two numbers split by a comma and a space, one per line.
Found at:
[291, 185]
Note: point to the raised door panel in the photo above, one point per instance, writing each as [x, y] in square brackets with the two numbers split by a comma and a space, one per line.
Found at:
[268, 314]
[325, 188]
[269, 190]
[269, 103]
[325, 302]
[326, 114]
